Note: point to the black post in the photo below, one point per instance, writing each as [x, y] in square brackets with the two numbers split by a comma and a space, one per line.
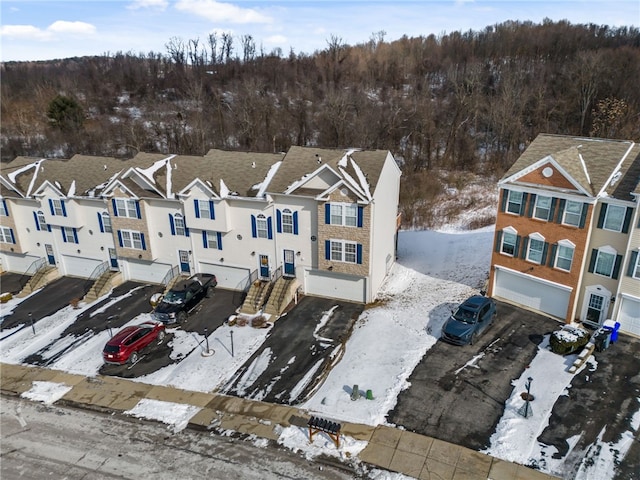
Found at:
[33, 327]
[232, 343]
[526, 405]
[206, 338]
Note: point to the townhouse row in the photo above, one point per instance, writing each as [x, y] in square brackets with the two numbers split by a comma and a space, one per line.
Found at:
[324, 217]
[568, 231]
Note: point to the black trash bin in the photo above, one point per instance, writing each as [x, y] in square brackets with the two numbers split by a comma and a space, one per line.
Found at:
[602, 339]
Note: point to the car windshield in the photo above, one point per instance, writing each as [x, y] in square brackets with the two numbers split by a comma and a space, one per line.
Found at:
[464, 315]
[174, 297]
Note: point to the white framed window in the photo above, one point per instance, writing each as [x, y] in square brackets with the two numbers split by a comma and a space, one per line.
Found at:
[614, 218]
[178, 220]
[564, 255]
[287, 221]
[69, 235]
[4, 211]
[542, 208]
[605, 261]
[572, 213]
[6, 235]
[203, 209]
[636, 269]
[345, 214]
[211, 240]
[125, 207]
[131, 239]
[344, 251]
[514, 203]
[508, 242]
[57, 208]
[262, 228]
[536, 249]
[106, 223]
[42, 221]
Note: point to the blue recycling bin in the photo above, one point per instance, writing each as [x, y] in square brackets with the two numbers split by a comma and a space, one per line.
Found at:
[613, 327]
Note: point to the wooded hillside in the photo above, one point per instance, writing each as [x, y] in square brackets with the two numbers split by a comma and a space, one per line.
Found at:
[459, 102]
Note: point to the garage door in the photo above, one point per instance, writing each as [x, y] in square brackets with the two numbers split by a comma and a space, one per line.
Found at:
[535, 293]
[233, 278]
[335, 285]
[145, 271]
[79, 266]
[12, 262]
[629, 316]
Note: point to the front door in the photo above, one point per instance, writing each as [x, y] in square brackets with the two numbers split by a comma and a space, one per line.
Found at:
[184, 261]
[49, 249]
[264, 266]
[595, 309]
[113, 258]
[289, 263]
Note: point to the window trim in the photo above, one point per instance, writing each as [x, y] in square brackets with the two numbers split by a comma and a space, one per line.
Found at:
[262, 226]
[4, 209]
[599, 255]
[509, 231]
[606, 217]
[129, 206]
[537, 238]
[206, 239]
[287, 221]
[343, 219]
[69, 235]
[342, 251]
[130, 234]
[519, 204]
[564, 244]
[636, 270]
[566, 212]
[6, 233]
[537, 206]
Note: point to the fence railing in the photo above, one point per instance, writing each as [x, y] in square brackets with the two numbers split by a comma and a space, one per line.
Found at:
[171, 274]
[32, 269]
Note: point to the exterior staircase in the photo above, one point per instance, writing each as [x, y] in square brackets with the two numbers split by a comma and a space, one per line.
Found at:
[256, 297]
[102, 285]
[281, 295]
[39, 280]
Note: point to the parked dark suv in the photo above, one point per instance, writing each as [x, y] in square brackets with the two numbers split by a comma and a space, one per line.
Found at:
[184, 297]
[469, 320]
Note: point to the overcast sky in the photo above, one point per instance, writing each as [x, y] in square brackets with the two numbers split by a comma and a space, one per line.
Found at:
[48, 29]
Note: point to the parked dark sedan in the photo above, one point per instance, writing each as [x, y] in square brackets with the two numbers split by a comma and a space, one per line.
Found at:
[184, 297]
[469, 320]
[126, 345]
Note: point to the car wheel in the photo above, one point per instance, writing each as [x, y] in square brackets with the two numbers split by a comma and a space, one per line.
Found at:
[182, 316]
[160, 336]
[474, 337]
[134, 358]
[209, 293]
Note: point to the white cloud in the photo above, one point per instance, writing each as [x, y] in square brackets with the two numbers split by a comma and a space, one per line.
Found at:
[222, 12]
[62, 26]
[276, 39]
[59, 27]
[22, 31]
[158, 4]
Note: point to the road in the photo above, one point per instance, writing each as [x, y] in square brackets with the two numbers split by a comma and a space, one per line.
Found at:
[44, 441]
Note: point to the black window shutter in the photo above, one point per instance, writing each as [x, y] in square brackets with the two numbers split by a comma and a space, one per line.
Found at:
[498, 241]
[554, 201]
[525, 244]
[515, 251]
[592, 261]
[627, 220]
[503, 203]
[552, 257]
[561, 206]
[603, 213]
[532, 203]
[583, 216]
[524, 202]
[545, 250]
[616, 267]
[632, 263]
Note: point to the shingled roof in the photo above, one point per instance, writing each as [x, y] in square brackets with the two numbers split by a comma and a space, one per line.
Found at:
[602, 159]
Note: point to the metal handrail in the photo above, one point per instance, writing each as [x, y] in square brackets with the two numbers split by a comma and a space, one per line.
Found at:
[32, 269]
[276, 274]
[171, 274]
[99, 270]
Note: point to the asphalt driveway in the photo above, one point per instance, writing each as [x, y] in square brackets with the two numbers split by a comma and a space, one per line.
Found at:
[299, 347]
[457, 394]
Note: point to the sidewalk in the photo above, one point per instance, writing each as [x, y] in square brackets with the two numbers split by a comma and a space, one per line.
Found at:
[388, 448]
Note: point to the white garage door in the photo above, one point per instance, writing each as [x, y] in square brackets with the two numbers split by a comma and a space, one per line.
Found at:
[629, 316]
[145, 271]
[12, 262]
[79, 266]
[535, 293]
[335, 285]
[232, 278]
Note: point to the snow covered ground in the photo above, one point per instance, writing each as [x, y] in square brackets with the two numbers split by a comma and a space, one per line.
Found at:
[435, 270]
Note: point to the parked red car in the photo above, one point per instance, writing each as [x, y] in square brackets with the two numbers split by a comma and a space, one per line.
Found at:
[125, 346]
